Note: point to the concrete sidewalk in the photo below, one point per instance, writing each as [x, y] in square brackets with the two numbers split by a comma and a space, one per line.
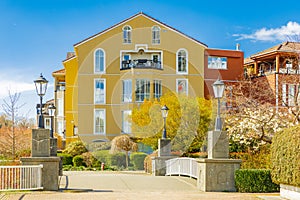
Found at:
[130, 186]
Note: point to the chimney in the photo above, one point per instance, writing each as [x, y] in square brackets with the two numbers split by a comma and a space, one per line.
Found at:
[237, 47]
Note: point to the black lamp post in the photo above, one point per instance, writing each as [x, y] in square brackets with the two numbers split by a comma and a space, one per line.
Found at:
[218, 87]
[51, 111]
[41, 88]
[164, 113]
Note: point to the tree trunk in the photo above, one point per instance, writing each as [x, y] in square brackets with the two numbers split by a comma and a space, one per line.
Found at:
[127, 159]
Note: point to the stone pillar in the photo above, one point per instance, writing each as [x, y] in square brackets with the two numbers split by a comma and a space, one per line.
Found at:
[49, 172]
[164, 147]
[53, 146]
[218, 144]
[164, 154]
[40, 146]
[217, 175]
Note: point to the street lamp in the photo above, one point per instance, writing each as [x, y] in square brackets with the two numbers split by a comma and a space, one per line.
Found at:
[41, 87]
[164, 113]
[218, 87]
[51, 111]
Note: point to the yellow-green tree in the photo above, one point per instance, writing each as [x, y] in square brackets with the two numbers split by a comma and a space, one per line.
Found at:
[187, 122]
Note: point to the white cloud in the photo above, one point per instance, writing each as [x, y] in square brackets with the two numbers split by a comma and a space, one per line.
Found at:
[283, 33]
[14, 86]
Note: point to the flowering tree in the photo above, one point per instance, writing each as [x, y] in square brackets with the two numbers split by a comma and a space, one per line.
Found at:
[187, 122]
[254, 120]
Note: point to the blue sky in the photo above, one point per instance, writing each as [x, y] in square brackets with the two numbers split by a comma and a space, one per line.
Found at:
[35, 35]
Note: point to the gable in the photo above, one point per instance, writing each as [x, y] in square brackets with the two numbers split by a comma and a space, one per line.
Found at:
[140, 20]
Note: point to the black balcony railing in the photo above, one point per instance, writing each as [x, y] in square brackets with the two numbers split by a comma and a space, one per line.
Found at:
[141, 63]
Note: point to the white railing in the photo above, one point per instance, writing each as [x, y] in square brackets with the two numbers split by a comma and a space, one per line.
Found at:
[21, 177]
[182, 166]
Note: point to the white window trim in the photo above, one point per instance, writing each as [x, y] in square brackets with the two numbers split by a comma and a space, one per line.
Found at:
[145, 79]
[187, 85]
[130, 34]
[104, 61]
[128, 123]
[123, 81]
[210, 67]
[104, 125]
[187, 61]
[284, 100]
[155, 81]
[152, 39]
[104, 80]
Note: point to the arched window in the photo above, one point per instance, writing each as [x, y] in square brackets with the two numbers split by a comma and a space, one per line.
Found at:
[99, 61]
[155, 35]
[126, 34]
[182, 61]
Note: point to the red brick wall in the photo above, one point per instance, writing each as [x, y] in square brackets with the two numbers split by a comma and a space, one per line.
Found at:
[234, 71]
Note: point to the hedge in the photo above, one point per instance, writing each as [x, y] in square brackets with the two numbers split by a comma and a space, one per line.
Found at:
[254, 180]
[78, 161]
[67, 159]
[137, 159]
[285, 156]
[117, 159]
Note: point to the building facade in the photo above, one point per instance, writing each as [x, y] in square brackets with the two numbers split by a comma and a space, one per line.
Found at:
[279, 68]
[115, 70]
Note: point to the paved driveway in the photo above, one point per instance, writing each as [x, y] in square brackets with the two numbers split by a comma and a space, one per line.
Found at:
[130, 186]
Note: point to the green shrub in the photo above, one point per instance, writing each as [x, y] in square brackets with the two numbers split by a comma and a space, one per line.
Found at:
[78, 161]
[101, 156]
[137, 159]
[117, 159]
[285, 156]
[67, 159]
[254, 180]
[88, 159]
[75, 148]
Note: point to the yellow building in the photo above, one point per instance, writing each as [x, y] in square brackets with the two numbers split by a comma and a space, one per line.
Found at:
[113, 71]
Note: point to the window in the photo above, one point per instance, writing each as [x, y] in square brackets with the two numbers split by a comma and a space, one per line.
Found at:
[99, 91]
[156, 63]
[182, 61]
[127, 34]
[60, 127]
[182, 86]
[284, 94]
[142, 90]
[127, 91]
[126, 123]
[157, 90]
[291, 95]
[155, 35]
[99, 62]
[99, 121]
[47, 123]
[60, 107]
[217, 62]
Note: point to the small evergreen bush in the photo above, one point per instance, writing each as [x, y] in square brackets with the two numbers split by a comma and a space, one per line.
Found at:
[117, 159]
[67, 159]
[78, 161]
[101, 156]
[137, 159]
[75, 148]
[254, 180]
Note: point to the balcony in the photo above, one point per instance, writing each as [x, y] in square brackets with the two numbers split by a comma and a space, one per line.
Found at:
[141, 64]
